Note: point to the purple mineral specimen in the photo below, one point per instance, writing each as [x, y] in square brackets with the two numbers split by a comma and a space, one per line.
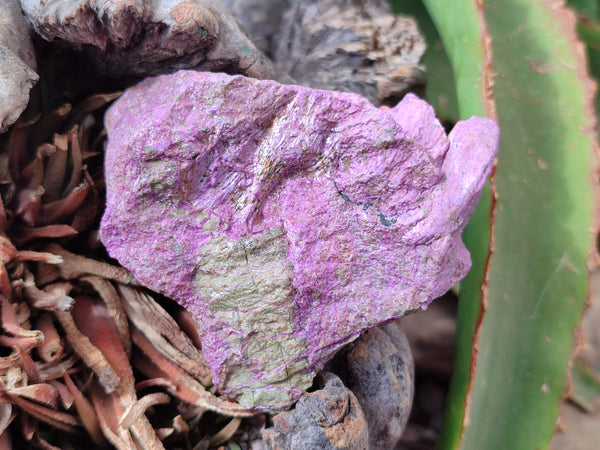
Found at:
[287, 220]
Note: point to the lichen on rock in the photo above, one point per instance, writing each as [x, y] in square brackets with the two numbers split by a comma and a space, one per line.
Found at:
[287, 220]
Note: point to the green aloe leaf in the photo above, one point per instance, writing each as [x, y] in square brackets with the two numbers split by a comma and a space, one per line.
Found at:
[589, 32]
[518, 312]
[440, 91]
[590, 8]
[585, 389]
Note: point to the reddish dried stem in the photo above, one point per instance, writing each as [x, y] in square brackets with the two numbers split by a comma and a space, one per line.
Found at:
[52, 347]
[75, 266]
[86, 412]
[114, 306]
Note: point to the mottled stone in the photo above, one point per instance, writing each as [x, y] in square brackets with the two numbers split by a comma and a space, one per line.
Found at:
[380, 372]
[17, 63]
[371, 51]
[287, 220]
[328, 419]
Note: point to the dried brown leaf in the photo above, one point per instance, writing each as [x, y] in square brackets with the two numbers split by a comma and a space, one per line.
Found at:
[29, 366]
[188, 324]
[24, 341]
[108, 409]
[85, 411]
[32, 174]
[52, 348]
[136, 410]
[53, 298]
[90, 105]
[65, 397]
[16, 335]
[60, 210]
[154, 382]
[17, 147]
[56, 369]
[54, 172]
[180, 425]
[10, 324]
[5, 441]
[44, 129]
[162, 330]
[75, 159]
[163, 433]
[225, 433]
[114, 306]
[30, 255]
[22, 312]
[93, 318]
[41, 393]
[89, 354]
[41, 443]
[12, 360]
[25, 234]
[6, 417]
[86, 217]
[29, 426]
[154, 365]
[75, 266]
[57, 419]
[29, 202]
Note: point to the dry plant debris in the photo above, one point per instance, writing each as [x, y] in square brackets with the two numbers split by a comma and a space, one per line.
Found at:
[86, 351]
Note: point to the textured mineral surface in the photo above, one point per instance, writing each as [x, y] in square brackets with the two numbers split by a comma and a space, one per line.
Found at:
[330, 418]
[287, 220]
[17, 63]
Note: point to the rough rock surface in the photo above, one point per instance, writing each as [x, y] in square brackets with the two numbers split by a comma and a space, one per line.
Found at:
[328, 419]
[369, 50]
[144, 37]
[380, 372]
[287, 220]
[17, 63]
[260, 18]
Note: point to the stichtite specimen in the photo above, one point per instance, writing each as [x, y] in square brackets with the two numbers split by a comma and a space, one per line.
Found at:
[287, 220]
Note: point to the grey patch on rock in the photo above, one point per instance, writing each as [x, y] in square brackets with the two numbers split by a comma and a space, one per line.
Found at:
[327, 419]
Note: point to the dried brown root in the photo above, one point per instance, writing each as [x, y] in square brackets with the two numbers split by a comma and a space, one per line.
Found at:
[75, 266]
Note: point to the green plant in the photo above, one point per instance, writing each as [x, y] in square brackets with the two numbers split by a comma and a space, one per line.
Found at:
[520, 62]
